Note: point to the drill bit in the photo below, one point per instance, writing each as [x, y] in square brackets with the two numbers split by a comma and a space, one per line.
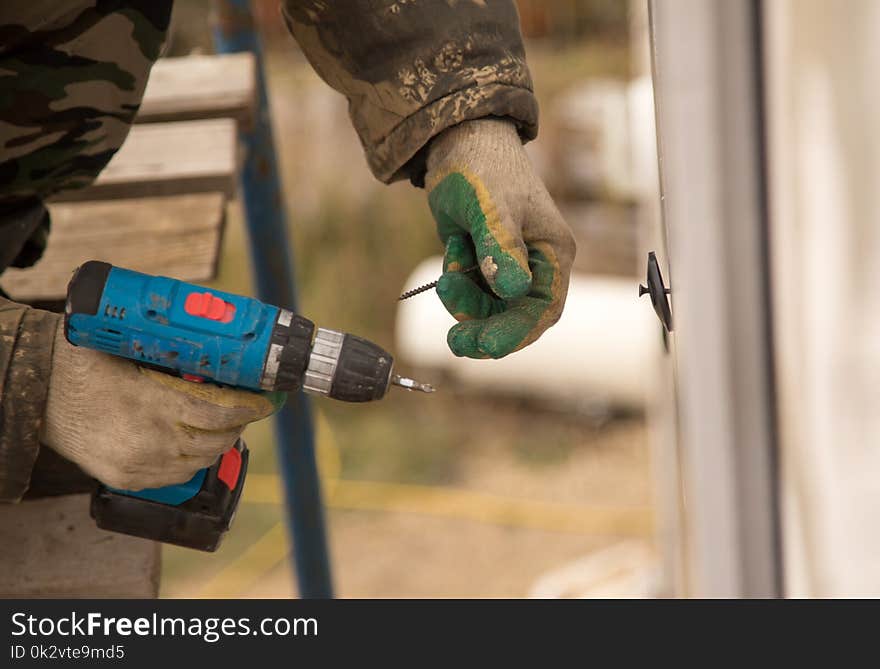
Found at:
[411, 384]
[421, 289]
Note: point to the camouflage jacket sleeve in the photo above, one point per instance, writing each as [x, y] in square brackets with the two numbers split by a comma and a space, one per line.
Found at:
[26, 339]
[412, 68]
[72, 74]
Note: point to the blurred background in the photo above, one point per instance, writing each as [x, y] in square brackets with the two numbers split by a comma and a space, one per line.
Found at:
[531, 477]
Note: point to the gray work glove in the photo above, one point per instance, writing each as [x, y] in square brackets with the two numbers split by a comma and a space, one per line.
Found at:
[135, 428]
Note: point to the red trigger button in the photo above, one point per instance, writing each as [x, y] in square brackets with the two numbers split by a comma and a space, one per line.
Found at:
[206, 305]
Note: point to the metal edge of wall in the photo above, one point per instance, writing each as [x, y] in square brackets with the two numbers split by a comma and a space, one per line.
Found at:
[709, 90]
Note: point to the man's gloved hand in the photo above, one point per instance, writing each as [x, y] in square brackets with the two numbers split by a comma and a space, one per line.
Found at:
[135, 428]
[492, 210]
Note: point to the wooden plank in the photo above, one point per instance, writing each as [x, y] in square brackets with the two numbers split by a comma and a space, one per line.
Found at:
[52, 548]
[175, 236]
[200, 87]
[168, 159]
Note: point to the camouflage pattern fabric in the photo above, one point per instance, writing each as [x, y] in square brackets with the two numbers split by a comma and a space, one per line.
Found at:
[72, 75]
[26, 337]
[412, 68]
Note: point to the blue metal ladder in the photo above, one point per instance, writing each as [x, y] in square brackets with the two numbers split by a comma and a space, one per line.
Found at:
[271, 257]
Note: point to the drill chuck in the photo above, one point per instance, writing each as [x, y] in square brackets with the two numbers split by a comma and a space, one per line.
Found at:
[347, 368]
[324, 362]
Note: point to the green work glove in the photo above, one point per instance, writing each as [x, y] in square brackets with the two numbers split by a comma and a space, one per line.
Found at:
[492, 210]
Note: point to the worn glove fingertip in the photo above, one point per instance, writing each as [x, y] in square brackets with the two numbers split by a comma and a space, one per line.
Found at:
[509, 332]
[462, 341]
[451, 287]
[494, 348]
[459, 254]
[508, 279]
[463, 298]
[446, 292]
[444, 284]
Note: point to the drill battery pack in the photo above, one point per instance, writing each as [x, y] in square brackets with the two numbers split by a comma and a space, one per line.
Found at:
[199, 522]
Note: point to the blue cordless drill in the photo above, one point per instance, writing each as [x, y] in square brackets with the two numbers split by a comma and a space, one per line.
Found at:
[202, 335]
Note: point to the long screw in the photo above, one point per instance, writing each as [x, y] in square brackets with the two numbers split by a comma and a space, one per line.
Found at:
[403, 381]
[428, 286]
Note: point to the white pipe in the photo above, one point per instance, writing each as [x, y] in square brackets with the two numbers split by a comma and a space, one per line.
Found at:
[602, 350]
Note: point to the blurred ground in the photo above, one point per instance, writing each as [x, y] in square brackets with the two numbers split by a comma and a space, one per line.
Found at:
[451, 495]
